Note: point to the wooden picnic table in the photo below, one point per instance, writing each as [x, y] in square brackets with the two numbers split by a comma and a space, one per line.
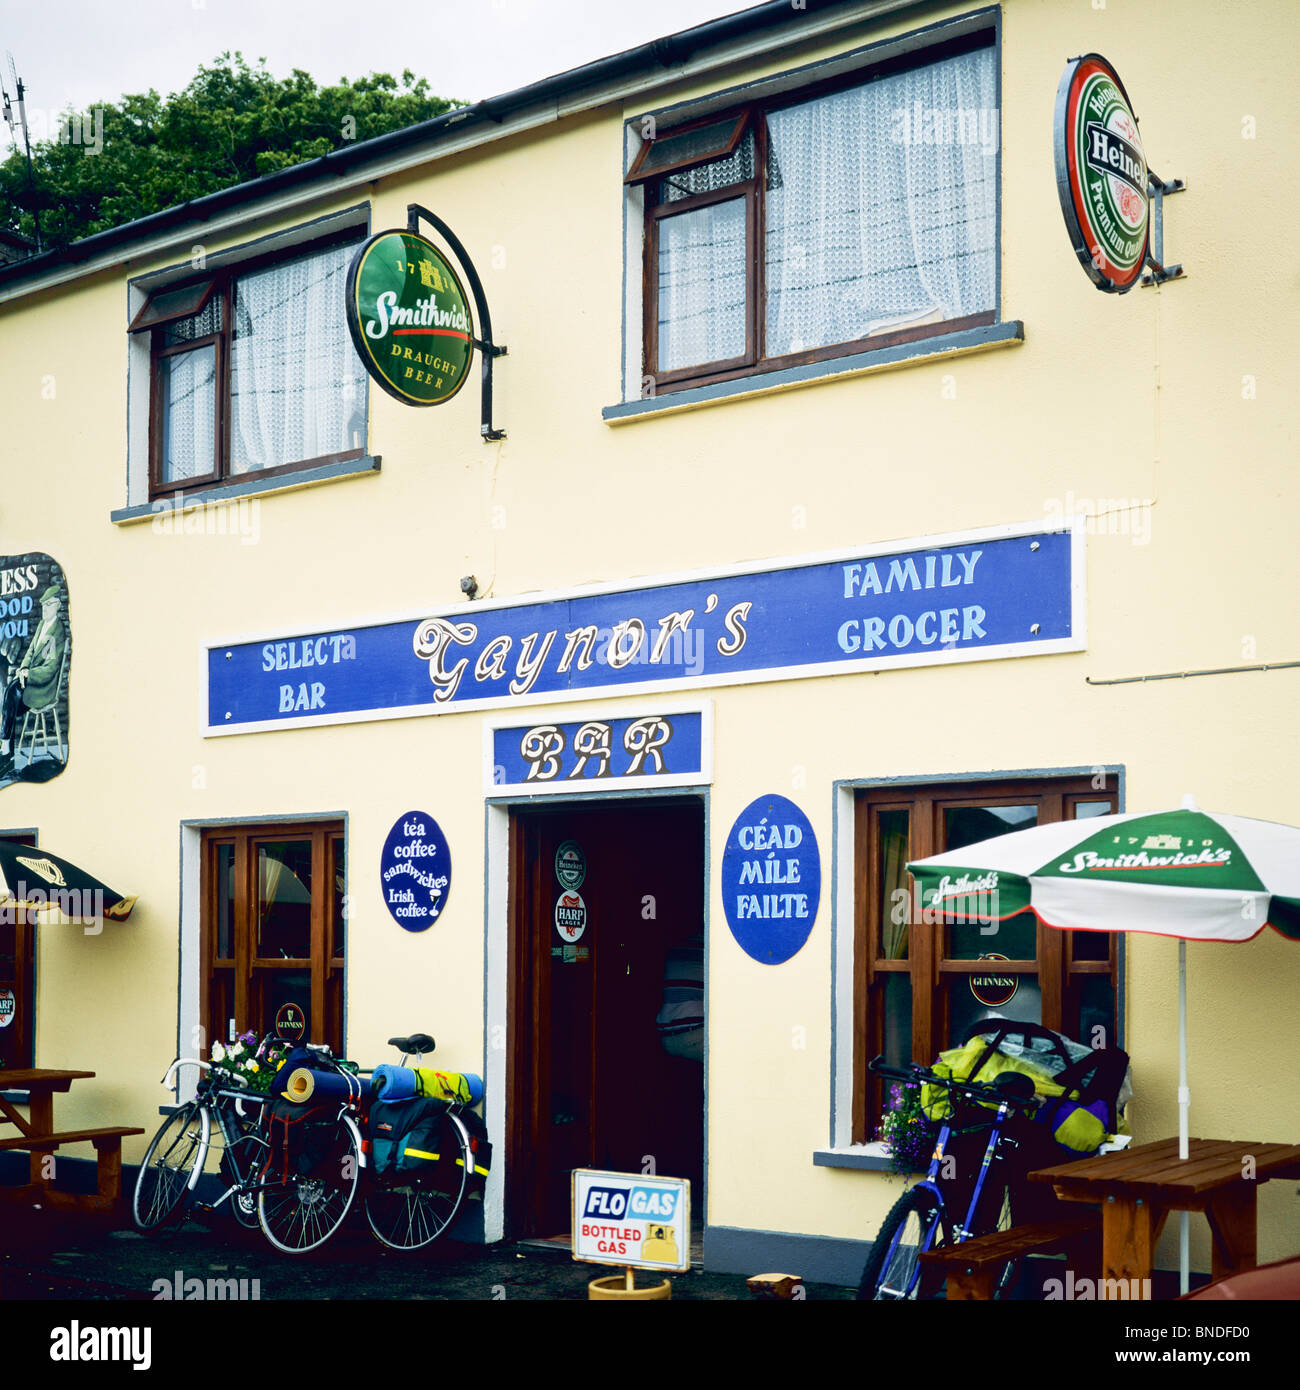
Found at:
[36, 1134]
[1138, 1187]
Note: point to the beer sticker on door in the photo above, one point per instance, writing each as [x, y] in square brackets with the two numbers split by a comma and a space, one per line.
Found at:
[570, 916]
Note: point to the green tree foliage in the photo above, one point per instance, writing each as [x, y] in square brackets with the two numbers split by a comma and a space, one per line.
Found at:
[230, 124]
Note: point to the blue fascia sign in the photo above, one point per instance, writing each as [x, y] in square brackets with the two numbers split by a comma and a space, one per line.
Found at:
[663, 747]
[1013, 591]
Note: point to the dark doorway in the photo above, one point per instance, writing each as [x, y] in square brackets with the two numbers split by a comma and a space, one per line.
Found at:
[607, 1007]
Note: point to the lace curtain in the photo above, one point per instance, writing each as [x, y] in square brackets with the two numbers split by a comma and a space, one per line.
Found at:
[188, 384]
[881, 206]
[297, 387]
[702, 263]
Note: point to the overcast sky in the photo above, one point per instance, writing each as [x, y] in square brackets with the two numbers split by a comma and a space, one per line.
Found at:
[80, 52]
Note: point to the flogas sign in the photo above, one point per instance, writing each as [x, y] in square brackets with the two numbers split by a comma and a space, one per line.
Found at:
[633, 1220]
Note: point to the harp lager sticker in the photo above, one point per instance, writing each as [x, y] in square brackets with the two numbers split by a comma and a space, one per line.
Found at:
[1101, 174]
[409, 318]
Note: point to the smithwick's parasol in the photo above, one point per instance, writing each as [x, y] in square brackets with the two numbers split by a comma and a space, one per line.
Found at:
[33, 880]
[1190, 874]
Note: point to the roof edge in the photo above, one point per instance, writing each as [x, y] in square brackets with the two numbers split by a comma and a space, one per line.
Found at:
[659, 54]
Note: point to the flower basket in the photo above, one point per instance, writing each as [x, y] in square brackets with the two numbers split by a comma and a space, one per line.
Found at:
[905, 1131]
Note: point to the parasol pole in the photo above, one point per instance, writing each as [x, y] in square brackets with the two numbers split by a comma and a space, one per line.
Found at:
[1184, 1104]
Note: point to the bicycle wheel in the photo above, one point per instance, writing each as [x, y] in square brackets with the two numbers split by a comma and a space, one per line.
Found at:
[171, 1166]
[408, 1215]
[303, 1213]
[893, 1269]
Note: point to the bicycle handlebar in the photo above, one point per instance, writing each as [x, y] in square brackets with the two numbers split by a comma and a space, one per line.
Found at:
[975, 1089]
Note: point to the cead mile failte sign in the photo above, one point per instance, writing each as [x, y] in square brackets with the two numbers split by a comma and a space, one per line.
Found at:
[1101, 174]
[631, 1220]
[409, 318]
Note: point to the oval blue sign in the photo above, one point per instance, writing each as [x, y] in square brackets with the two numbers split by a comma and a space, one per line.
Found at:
[771, 879]
[415, 871]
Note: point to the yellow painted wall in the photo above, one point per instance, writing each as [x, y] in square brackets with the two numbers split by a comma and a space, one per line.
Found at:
[1144, 396]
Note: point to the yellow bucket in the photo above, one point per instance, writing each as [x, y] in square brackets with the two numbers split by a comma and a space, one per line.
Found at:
[614, 1286]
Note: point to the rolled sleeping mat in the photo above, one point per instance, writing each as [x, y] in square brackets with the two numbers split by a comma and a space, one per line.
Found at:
[465, 1087]
[303, 1085]
[394, 1083]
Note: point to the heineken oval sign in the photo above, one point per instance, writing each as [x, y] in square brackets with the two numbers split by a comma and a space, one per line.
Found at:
[409, 318]
[1101, 174]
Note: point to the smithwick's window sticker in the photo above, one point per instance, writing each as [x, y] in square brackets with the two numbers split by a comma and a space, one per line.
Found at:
[570, 865]
[290, 1023]
[630, 1220]
[8, 1007]
[415, 871]
[993, 990]
[35, 661]
[409, 319]
[771, 879]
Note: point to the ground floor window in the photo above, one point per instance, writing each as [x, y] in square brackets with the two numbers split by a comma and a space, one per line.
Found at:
[17, 979]
[920, 980]
[273, 929]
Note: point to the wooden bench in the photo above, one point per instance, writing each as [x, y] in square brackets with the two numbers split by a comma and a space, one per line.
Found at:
[972, 1266]
[108, 1164]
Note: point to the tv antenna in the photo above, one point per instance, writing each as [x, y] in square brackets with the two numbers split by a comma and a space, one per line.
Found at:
[16, 85]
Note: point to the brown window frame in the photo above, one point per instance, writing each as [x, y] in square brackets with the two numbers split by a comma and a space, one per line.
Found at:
[221, 285]
[1059, 966]
[751, 118]
[232, 977]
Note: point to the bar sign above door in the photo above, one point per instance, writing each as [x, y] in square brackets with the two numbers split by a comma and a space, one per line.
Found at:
[663, 747]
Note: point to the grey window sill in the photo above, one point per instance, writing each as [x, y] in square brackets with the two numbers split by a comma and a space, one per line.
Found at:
[994, 335]
[869, 1157]
[181, 502]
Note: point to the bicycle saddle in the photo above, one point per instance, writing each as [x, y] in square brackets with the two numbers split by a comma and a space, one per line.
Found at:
[417, 1042]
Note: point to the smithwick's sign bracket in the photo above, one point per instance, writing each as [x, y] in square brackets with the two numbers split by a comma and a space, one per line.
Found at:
[1113, 203]
[410, 320]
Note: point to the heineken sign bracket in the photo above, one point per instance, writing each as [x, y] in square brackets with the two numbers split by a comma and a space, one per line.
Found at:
[1113, 203]
[410, 319]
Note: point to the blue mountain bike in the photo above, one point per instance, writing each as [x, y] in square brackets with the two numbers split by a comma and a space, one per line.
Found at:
[921, 1220]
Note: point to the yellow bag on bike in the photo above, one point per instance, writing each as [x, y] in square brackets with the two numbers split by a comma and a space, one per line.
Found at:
[958, 1062]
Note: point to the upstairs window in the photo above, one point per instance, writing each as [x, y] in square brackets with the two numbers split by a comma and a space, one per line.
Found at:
[843, 218]
[253, 371]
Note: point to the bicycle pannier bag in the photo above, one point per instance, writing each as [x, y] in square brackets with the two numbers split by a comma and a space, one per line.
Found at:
[300, 1138]
[406, 1137]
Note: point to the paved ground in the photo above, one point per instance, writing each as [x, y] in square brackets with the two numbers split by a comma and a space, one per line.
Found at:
[49, 1256]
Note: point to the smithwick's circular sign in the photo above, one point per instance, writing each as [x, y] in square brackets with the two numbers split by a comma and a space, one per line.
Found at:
[8, 1007]
[993, 991]
[570, 916]
[1101, 174]
[409, 318]
[290, 1023]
